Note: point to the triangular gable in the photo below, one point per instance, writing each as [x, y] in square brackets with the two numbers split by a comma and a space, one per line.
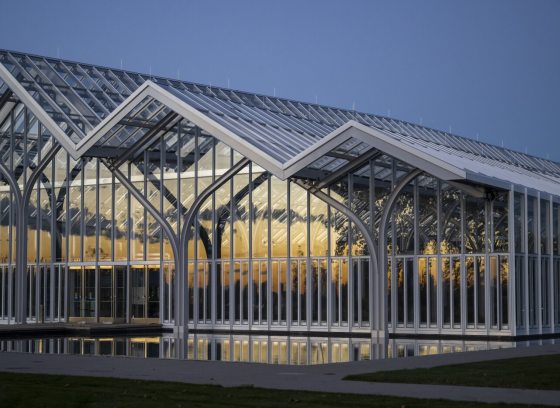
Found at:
[172, 99]
[438, 165]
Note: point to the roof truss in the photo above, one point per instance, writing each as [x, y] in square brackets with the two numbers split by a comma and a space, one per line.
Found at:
[282, 136]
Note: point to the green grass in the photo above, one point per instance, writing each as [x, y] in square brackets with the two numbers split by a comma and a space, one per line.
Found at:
[541, 372]
[34, 390]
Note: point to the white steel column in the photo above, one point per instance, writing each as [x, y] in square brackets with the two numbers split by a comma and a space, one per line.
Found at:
[551, 294]
[525, 276]
[21, 237]
[391, 200]
[512, 318]
[538, 301]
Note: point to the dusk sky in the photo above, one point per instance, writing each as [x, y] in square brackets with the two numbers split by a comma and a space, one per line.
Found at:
[486, 68]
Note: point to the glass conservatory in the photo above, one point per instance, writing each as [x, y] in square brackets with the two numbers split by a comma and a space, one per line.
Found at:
[129, 198]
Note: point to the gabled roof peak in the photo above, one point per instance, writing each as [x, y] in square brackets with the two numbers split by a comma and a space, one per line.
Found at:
[77, 102]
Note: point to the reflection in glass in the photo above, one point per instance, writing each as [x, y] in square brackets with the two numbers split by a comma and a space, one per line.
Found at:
[456, 291]
[432, 284]
[532, 223]
[400, 291]
[504, 289]
[266, 251]
[446, 290]
[409, 283]
[470, 276]
[500, 222]
[423, 290]
[480, 293]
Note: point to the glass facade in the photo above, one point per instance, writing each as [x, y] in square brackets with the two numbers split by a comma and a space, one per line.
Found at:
[265, 253]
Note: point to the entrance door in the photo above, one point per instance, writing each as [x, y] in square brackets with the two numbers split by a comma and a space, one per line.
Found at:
[106, 297]
[89, 292]
[76, 292]
[153, 293]
[112, 293]
[120, 292]
[145, 293]
[81, 284]
[138, 292]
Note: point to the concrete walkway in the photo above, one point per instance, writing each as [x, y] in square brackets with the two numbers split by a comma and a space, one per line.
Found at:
[322, 378]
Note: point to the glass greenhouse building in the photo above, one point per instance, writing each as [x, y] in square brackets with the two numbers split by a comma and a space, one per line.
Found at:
[129, 198]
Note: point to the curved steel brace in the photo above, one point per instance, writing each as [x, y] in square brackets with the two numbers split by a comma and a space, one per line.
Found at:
[368, 236]
[165, 226]
[21, 234]
[181, 288]
[382, 297]
[220, 181]
[12, 183]
[17, 195]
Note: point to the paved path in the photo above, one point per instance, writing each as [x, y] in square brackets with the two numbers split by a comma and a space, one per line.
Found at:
[323, 378]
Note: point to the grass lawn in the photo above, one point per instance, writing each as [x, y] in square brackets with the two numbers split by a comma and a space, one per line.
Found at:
[541, 372]
[35, 390]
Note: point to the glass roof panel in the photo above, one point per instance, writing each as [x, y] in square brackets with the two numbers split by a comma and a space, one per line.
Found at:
[79, 96]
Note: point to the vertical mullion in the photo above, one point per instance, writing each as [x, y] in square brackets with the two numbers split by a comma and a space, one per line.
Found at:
[328, 286]
[350, 271]
[371, 279]
[195, 233]
[38, 224]
[54, 238]
[439, 288]
[173, 314]
[512, 318]
[128, 248]
[212, 272]
[391, 257]
[551, 263]
[526, 260]
[463, 269]
[145, 221]
[162, 298]
[10, 272]
[415, 281]
[308, 273]
[53, 220]
[113, 228]
[97, 231]
[250, 286]
[82, 218]
[67, 236]
[231, 271]
[488, 246]
[13, 221]
[269, 278]
[289, 305]
[538, 301]
[196, 300]
[358, 300]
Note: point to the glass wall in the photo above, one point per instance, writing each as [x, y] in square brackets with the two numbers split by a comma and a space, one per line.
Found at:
[265, 252]
[537, 288]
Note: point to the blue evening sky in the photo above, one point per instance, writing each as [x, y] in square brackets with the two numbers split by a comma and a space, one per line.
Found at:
[477, 67]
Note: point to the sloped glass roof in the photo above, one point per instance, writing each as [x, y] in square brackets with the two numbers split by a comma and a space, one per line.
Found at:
[79, 97]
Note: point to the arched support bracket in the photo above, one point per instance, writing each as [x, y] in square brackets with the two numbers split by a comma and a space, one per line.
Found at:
[22, 211]
[389, 205]
[181, 295]
[12, 182]
[178, 241]
[166, 227]
[378, 325]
